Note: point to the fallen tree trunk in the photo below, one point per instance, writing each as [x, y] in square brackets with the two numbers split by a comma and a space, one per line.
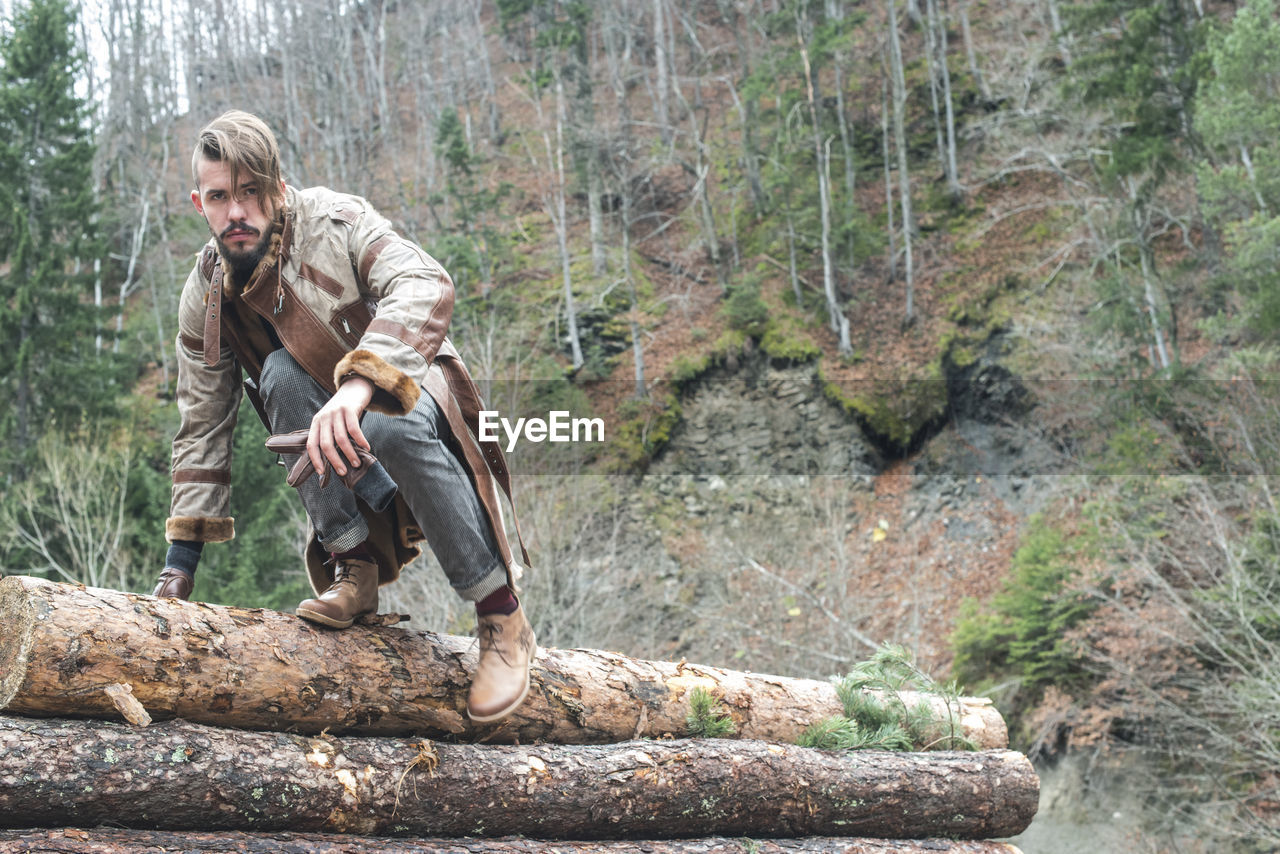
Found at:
[110, 840]
[178, 775]
[61, 645]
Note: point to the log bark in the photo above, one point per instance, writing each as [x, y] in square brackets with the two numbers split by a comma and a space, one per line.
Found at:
[60, 645]
[110, 840]
[176, 775]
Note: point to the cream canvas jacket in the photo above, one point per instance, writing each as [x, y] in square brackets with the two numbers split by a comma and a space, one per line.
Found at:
[344, 294]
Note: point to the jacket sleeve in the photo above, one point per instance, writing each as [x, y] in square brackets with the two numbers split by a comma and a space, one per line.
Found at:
[415, 304]
[208, 400]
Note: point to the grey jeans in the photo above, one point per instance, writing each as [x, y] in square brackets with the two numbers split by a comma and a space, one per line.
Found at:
[412, 448]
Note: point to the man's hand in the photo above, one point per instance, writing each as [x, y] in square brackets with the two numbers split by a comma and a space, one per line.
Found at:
[337, 425]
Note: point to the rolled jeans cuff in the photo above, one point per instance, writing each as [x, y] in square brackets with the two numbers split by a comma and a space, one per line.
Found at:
[350, 536]
[376, 488]
[495, 580]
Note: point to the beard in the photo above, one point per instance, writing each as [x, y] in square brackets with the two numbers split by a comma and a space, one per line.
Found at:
[244, 261]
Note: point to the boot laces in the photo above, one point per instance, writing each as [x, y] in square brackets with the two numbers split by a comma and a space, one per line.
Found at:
[343, 574]
[490, 640]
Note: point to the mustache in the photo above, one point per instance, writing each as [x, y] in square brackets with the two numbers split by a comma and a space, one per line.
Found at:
[238, 226]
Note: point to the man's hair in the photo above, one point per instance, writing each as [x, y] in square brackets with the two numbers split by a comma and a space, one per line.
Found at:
[245, 143]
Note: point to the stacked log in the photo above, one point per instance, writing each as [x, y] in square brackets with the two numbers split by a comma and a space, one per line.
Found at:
[259, 669]
[107, 840]
[269, 724]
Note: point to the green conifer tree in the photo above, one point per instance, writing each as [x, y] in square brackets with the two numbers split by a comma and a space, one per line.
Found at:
[1140, 65]
[50, 366]
[1240, 122]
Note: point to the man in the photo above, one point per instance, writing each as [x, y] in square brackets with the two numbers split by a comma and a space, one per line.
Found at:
[340, 325]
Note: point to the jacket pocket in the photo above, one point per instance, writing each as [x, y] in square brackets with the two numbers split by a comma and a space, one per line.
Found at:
[351, 321]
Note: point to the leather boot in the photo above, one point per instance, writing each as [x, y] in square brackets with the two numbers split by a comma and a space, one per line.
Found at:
[174, 584]
[507, 647]
[353, 594]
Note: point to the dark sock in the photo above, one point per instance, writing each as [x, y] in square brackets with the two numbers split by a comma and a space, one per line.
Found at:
[500, 601]
[184, 556]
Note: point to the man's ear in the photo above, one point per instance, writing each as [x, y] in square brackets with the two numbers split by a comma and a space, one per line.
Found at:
[195, 200]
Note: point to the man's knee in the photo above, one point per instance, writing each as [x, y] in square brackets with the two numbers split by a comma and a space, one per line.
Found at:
[404, 433]
[279, 371]
[410, 446]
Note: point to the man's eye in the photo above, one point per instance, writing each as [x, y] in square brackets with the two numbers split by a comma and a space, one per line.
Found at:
[251, 191]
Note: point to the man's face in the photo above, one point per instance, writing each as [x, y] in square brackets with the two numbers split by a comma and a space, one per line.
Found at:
[239, 218]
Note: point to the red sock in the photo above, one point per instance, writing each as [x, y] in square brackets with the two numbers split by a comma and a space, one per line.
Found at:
[500, 601]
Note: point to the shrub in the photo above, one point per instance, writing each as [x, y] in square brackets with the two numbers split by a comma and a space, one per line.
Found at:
[1026, 634]
[707, 716]
[745, 310]
[877, 718]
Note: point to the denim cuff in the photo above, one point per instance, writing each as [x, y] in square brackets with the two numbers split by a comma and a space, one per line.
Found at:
[348, 537]
[489, 584]
[376, 488]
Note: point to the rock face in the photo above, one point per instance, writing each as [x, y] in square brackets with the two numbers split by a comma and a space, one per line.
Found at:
[752, 416]
[984, 389]
[836, 552]
[757, 418]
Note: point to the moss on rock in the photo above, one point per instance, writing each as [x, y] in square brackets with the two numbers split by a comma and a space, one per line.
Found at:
[896, 414]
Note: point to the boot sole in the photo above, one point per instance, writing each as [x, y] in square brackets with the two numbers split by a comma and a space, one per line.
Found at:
[317, 617]
[497, 716]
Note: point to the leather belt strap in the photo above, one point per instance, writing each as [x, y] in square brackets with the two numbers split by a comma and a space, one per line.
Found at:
[213, 320]
[468, 397]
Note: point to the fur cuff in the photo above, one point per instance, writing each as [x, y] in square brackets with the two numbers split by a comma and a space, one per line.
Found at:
[395, 392]
[201, 529]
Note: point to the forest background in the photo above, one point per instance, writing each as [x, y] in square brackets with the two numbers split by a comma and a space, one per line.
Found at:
[944, 323]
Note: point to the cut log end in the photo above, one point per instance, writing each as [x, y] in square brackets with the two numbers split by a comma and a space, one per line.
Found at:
[18, 614]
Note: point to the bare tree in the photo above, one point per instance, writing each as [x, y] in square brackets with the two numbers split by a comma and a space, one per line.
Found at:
[931, 63]
[701, 167]
[560, 221]
[1182, 644]
[742, 33]
[1059, 35]
[69, 514]
[137, 107]
[621, 160]
[661, 65]
[888, 171]
[490, 87]
[900, 143]
[553, 202]
[970, 55]
[938, 40]
[839, 322]
[1140, 215]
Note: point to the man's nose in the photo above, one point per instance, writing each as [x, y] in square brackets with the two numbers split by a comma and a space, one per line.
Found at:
[236, 210]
